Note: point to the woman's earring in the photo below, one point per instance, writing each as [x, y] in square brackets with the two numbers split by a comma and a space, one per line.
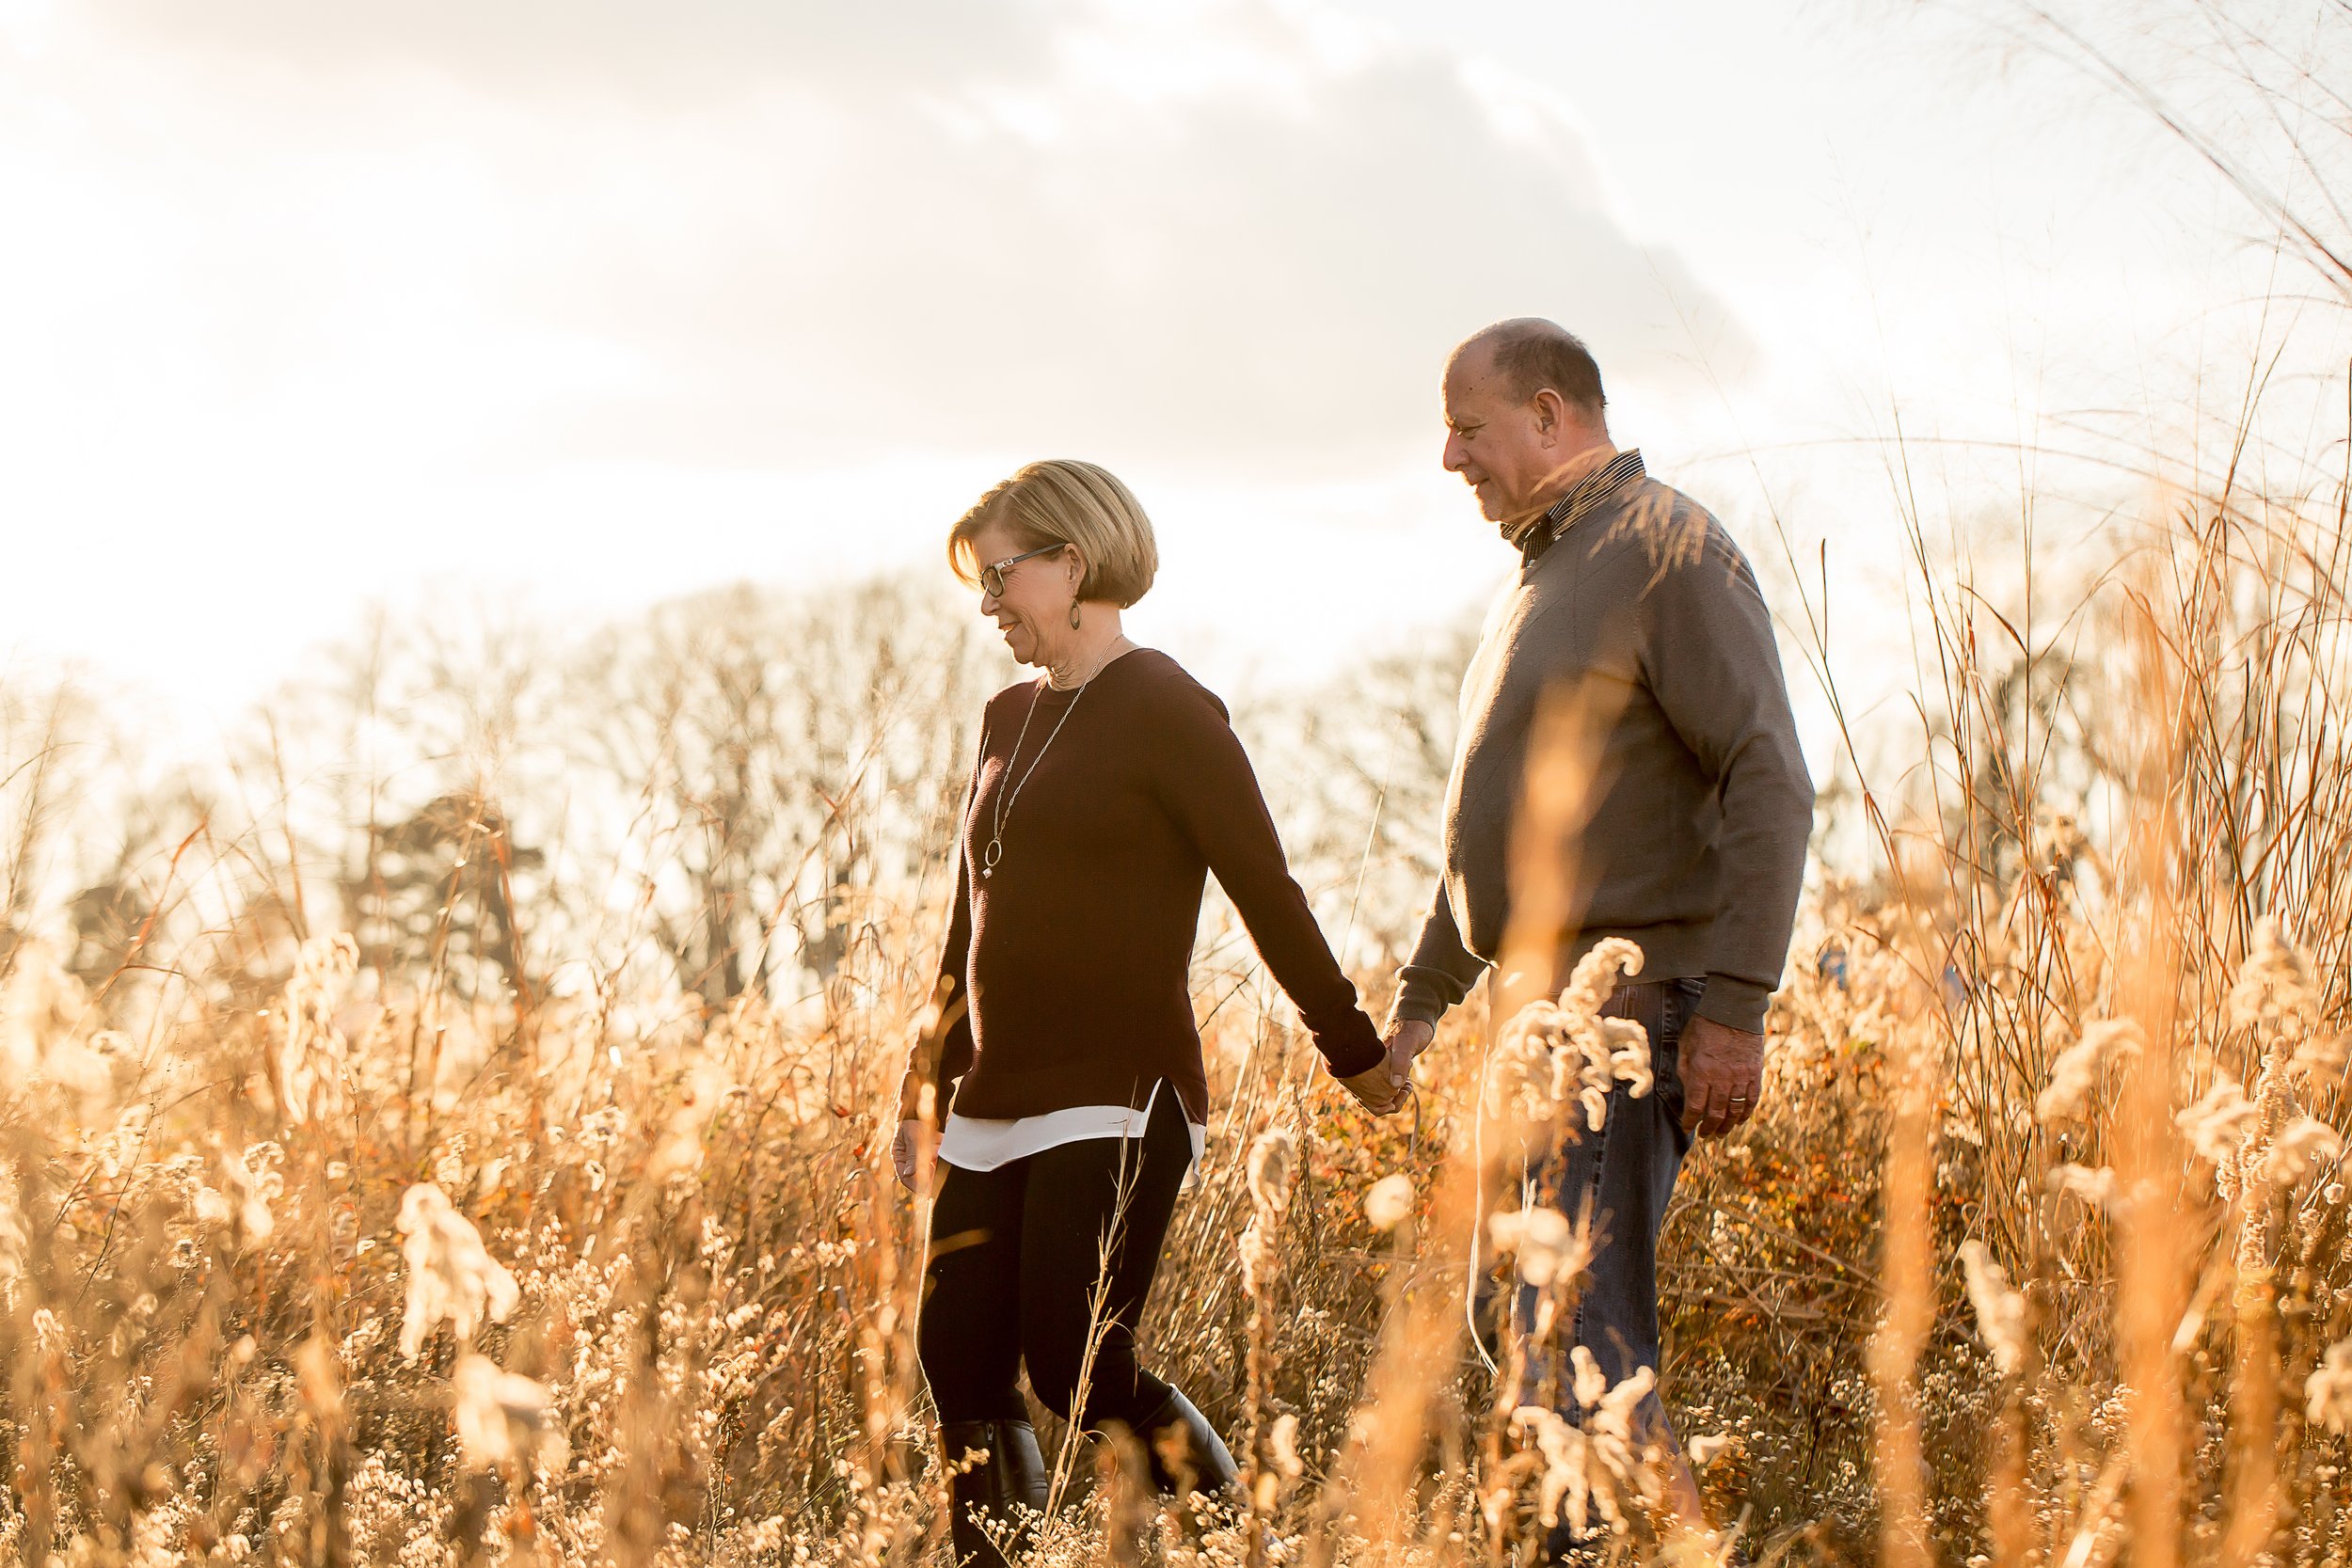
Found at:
[1073, 615]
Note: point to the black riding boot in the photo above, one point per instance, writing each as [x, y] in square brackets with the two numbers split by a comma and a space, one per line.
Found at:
[1014, 1472]
[1204, 1461]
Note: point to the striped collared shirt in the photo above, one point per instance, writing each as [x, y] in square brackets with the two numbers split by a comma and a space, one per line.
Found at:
[1582, 497]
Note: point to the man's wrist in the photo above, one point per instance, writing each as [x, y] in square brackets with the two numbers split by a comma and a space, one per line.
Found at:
[1413, 1006]
[1736, 1004]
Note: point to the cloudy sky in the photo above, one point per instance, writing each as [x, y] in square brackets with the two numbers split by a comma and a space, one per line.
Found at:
[304, 302]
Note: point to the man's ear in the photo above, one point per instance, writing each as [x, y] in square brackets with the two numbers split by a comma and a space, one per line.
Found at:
[1552, 414]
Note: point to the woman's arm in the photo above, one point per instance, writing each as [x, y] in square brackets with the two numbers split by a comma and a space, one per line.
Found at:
[1205, 779]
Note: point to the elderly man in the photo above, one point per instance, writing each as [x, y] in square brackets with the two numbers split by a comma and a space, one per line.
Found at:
[1692, 840]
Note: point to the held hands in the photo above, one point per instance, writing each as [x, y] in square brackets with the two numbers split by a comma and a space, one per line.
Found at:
[1722, 1073]
[1723, 1076]
[1380, 1088]
[1375, 1089]
[1408, 1039]
[911, 1154]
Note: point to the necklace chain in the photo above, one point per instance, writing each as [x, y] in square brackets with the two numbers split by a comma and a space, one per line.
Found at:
[994, 851]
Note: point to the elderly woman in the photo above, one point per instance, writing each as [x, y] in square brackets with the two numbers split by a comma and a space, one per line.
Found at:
[1066, 1096]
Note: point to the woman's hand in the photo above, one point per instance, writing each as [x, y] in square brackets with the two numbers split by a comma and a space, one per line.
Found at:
[1376, 1088]
[913, 1153]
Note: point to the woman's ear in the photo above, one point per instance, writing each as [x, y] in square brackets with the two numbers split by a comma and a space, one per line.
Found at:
[1078, 567]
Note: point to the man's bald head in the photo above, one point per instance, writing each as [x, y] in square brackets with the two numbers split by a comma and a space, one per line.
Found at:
[1524, 417]
[1528, 353]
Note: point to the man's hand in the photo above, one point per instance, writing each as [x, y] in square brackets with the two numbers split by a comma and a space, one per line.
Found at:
[1408, 1039]
[1723, 1076]
[911, 1154]
[1381, 1087]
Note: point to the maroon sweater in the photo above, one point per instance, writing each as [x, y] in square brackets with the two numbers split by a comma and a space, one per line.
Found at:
[1074, 957]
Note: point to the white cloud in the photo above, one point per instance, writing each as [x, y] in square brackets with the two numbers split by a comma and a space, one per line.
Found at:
[1242, 234]
[676, 55]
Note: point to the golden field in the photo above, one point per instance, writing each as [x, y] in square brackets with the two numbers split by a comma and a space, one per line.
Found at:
[454, 1126]
[415, 1244]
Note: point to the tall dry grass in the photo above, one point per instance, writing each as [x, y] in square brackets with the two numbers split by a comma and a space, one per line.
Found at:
[546, 1216]
[2036, 1252]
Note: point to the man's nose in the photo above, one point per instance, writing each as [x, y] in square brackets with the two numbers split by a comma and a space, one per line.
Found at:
[1454, 456]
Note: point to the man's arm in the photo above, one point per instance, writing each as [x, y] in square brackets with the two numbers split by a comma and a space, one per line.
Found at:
[1440, 974]
[1715, 670]
[1712, 665]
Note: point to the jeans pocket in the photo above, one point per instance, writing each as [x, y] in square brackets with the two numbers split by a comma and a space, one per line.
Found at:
[1670, 1096]
[1666, 1064]
[1680, 1005]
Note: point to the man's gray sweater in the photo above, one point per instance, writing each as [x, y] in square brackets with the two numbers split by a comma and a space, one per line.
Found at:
[1695, 845]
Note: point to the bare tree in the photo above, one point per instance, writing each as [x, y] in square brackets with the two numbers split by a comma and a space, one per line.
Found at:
[1356, 773]
[784, 757]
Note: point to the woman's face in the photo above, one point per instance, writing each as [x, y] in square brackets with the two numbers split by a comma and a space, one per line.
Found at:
[1033, 612]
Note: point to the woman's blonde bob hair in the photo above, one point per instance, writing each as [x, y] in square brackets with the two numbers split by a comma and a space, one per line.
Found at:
[1064, 501]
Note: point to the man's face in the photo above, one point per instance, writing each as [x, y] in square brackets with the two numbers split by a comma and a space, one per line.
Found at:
[1504, 448]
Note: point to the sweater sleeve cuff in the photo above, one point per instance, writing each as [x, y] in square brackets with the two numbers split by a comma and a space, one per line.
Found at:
[1417, 1005]
[1424, 992]
[1736, 1004]
[1347, 1040]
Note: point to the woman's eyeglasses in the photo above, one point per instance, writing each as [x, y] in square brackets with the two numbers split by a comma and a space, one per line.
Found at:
[992, 575]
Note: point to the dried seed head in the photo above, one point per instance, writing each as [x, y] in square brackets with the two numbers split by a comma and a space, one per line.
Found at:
[1591, 1382]
[1546, 1245]
[452, 1275]
[503, 1417]
[1596, 971]
[1552, 1055]
[2301, 1144]
[2076, 1073]
[2274, 988]
[1261, 1256]
[2000, 1310]
[1389, 1203]
[311, 1060]
[1564, 1487]
[1272, 1162]
[14, 1243]
[2322, 1057]
[2329, 1390]
[1282, 1446]
[2095, 1186]
[2219, 1124]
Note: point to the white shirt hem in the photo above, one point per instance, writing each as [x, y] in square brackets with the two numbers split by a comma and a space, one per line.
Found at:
[976, 1143]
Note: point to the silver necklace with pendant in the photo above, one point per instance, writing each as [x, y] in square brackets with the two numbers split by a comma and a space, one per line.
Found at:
[994, 850]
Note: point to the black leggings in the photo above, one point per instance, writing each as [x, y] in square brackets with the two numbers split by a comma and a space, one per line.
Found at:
[1015, 1256]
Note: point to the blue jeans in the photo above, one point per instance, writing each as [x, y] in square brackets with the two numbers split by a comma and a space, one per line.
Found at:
[1627, 1172]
